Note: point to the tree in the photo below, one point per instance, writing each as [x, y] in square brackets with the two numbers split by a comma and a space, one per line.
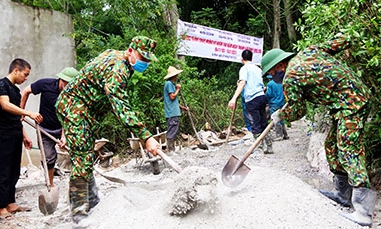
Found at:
[288, 9]
[277, 25]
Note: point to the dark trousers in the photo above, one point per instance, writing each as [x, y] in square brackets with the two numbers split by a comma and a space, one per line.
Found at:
[256, 113]
[10, 160]
[173, 127]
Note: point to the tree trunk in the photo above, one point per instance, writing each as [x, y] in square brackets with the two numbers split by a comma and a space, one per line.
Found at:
[289, 20]
[171, 15]
[277, 28]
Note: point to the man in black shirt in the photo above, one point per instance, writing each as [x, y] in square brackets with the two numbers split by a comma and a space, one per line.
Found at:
[12, 135]
[50, 88]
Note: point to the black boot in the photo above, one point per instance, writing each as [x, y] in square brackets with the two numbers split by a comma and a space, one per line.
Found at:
[343, 192]
[363, 201]
[79, 198]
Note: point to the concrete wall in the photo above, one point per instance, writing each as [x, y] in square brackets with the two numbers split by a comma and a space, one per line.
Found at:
[39, 36]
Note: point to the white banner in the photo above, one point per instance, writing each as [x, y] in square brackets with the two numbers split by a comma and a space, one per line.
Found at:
[206, 42]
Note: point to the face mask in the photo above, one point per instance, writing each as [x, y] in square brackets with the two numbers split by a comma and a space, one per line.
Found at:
[139, 66]
[278, 76]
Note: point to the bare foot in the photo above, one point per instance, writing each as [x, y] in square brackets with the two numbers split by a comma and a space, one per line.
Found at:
[5, 214]
[12, 208]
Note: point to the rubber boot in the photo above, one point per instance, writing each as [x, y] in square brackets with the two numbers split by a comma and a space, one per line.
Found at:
[79, 198]
[363, 201]
[269, 144]
[261, 144]
[278, 130]
[343, 192]
[284, 131]
[93, 193]
[171, 146]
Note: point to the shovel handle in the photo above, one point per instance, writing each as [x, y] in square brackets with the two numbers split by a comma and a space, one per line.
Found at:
[259, 139]
[110, 178]
[166, 158]
[190, 117]
[231, 121]
[45, 133]
[43, 157]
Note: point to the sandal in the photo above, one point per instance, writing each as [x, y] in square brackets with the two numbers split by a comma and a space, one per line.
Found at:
[6, 216]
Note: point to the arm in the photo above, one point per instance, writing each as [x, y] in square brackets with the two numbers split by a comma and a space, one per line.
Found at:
[173, 95]
[269, 92]
[24, 96]
[116, 91]
[296, 108]
[62, 142]
[184, 108]
[26, 140]
[13, 109]
[240, 85]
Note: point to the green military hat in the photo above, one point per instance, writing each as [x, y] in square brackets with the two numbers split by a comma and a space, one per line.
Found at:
[145, 46]
[67, 74]
[272, 58]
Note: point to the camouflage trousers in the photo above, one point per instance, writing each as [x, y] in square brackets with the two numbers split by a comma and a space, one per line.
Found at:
[81, 141]
[345, 150]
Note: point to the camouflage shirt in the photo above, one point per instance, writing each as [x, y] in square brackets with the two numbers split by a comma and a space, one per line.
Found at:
[314, 75]
[101, 87]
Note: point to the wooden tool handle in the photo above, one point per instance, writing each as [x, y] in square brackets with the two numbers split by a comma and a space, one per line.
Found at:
[260, 138]
[166, 158]
[43, 157]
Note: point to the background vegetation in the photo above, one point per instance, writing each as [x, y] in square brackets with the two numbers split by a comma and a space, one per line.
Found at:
[209, 84]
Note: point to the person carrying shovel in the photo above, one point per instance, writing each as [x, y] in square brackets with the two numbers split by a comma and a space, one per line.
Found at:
[172, 106]
[316, 76]
[50, 88]
[250, 80]
[100, 88]
[12, 135]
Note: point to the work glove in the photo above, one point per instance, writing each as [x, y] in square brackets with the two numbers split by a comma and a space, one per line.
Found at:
[275, 117]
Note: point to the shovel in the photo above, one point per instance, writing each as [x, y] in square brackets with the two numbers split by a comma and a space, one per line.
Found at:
[201, 145]
[235, 170]
[47, 199]
[231, 121]
[110, 178]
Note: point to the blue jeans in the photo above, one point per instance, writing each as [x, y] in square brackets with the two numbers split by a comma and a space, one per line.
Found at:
[247, 122]
[256, 113]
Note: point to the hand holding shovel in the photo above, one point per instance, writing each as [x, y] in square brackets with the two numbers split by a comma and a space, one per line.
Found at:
[235, 170]
[48, 199]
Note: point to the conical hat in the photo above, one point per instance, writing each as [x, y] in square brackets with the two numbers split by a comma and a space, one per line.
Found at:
[172, 71]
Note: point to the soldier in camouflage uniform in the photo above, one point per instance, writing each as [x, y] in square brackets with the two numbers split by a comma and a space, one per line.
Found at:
[316, 76]
[100, 87]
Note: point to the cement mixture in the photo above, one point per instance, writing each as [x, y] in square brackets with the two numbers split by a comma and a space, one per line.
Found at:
[281, 191]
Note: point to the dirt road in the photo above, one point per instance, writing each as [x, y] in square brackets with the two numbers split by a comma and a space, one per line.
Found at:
[281, 191]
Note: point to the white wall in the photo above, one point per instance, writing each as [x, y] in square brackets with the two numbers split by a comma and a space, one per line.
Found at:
[39, 36]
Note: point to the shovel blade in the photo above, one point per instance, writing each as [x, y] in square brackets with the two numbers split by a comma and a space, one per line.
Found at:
[48, 200]
[234, 172]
